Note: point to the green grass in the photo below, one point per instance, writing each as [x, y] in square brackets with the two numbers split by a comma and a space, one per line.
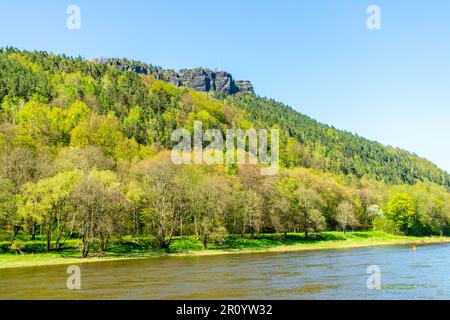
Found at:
[33, 253]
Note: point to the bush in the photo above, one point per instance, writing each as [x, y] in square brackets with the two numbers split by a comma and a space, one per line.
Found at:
[4, 246]
[384, 224]
[218, 236]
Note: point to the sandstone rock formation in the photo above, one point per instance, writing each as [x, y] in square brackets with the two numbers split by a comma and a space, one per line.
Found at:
[199, 79]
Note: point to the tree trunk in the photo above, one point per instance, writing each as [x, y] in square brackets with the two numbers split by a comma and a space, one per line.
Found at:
[162, 242]
[16, 230]
[196, 227]
[181, 228]
[134, 223]
[49, 238]
[102, 243]
[85, 250]
[205, 242]
[85, 247]
[33, 232]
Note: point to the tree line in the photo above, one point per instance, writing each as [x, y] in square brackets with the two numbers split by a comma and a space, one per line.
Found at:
[158, 199]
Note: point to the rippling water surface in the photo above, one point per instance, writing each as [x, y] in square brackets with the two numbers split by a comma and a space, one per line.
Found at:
[337, 274]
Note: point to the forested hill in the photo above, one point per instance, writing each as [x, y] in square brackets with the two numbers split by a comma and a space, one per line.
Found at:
[47, 98]
[326, 148]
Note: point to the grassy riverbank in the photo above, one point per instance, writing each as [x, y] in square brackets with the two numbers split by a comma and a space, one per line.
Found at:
[32, 253]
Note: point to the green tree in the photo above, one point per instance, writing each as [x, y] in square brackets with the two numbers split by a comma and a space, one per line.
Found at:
[42, 122]
[47, 204]
[19, 80]
[158, 178]
[8, 214]
[244, 211]
[439, 213]
[209, 206]
[136, 196]
[402, 210]
[303, 205]
[101, 208]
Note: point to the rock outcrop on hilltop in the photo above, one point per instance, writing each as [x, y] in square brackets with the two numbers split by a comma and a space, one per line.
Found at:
[199, 79]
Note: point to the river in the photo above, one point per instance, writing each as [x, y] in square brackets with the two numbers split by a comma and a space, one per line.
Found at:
[330, 274]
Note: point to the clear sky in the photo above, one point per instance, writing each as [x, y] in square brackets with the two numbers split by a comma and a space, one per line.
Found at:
[391, 85]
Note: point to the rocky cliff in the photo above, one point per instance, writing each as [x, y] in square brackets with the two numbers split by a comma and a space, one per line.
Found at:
[199, 79]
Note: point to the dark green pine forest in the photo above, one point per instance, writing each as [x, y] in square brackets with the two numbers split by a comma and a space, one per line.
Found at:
[85, 154]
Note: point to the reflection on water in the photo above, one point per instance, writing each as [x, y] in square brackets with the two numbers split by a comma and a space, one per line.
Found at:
[339, 274]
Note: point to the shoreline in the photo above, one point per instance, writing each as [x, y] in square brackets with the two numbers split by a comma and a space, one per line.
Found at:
[52, 259]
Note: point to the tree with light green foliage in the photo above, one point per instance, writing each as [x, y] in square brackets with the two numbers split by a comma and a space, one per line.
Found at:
[47, 203]
[303, 205]
[209, 205]
[8, 213]
[158, 178]
[402, 210]
[135, 195]
[439, 215]
[100, 206]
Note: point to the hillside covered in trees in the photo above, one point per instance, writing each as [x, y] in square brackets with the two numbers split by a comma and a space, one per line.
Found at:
[84, 153]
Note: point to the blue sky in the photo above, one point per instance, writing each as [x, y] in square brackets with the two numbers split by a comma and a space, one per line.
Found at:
[391, 85]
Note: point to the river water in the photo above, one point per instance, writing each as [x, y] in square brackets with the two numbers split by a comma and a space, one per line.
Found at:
[330, 274]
